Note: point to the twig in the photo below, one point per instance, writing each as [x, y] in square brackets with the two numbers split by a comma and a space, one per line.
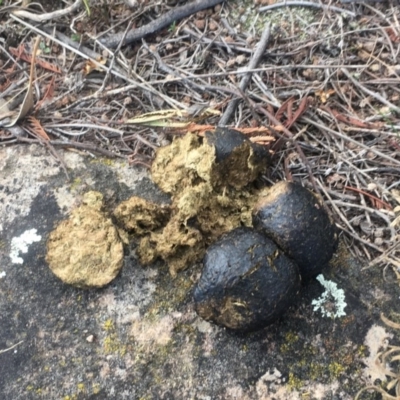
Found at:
[165, 20]
[107, 77]
[289, 135]
[47, 16]
[86, 125]
[77, 145]
[12, 347]
[144, 86]
[370, 92]
[361, 207]
[306, 4]
[351, 140]
[167, 69]
[258, 54]
[202, 38]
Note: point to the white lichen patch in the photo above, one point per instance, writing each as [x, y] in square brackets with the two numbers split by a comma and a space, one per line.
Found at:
[272, 386]
[2, 274]
[236, 393]
[332, 301]
[74, 160]
[66, 200]
[268, 382]
[20, 244]
[159, 332]
[125, 174]
[24, 171]
[377, 340]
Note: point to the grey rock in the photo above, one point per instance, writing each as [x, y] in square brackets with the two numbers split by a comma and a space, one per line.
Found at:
[146, 341]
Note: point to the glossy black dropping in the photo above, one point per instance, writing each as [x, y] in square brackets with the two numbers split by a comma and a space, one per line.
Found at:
[296, 221]
[225, 140]
[246, 283]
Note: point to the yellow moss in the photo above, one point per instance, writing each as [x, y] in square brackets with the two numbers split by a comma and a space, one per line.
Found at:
[362, 351]
[284, 348]
[81, 387]
[167, 298]
[108, 325]
[112, 345]
[76, 183]
[104, 161]
[29, 388]
[336, 369]
[294, 383]
[96, 388]
[316, 371]
[290, 339]
[77, 360]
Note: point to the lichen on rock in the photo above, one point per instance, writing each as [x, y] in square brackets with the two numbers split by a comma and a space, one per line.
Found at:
[86, 249]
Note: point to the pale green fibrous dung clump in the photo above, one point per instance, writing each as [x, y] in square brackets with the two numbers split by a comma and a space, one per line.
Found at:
[332, 301]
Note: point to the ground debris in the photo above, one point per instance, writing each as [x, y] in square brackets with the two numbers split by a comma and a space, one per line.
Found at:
[326, 76]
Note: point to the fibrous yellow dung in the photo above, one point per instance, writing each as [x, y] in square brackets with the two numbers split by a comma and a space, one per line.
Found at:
[208, 199]
[138, 216]
[86, 250]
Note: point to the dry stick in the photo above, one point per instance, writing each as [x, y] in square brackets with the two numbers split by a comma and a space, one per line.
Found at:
[349, 139]
[167, 69]
[84, 125]
[351, 230]
[107, 77]
[54, 35]
[76, 145]
[289, 135]
[306, 4]
[47, 16]
[165, 20]
[272, 69]
[11, 347]
[57, 156]
[206, 40]
[140, 85]
[346, 161]
[258, 54]
[204, 86]
[370, 92]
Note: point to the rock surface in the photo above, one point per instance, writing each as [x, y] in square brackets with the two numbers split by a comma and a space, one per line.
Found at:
[139, 337]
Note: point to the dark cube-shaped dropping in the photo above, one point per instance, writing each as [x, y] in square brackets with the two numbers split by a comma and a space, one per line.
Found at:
[247, 282]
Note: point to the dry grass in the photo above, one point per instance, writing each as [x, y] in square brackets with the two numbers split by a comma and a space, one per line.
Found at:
[327, 89]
